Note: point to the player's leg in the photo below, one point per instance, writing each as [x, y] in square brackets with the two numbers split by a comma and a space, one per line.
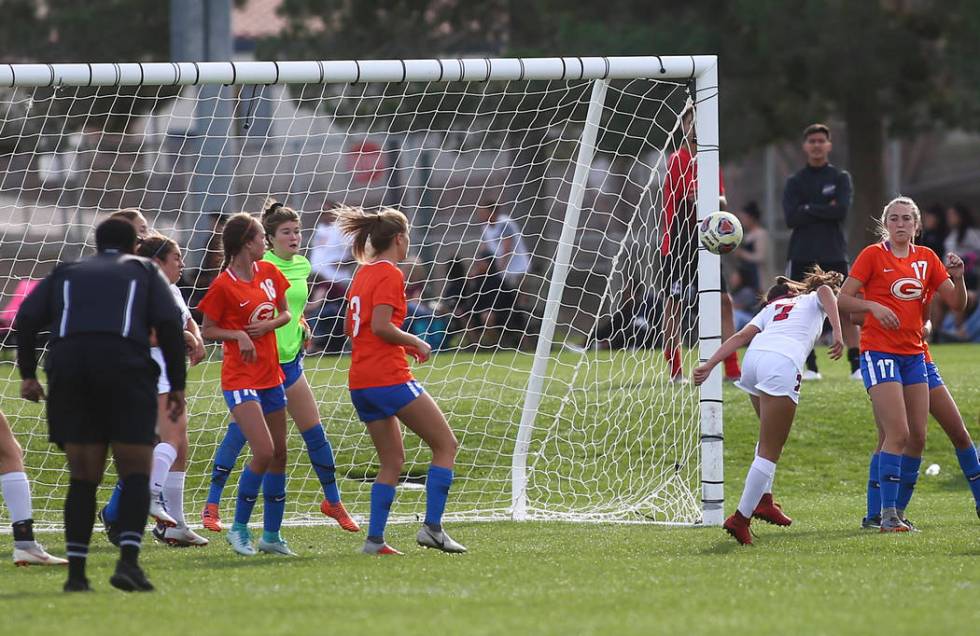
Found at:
[133, 461]
[732, 370]
[888, 404]
[424, 418]
[225, 457]
[387, 440]
[250, 419]
[86, 463]
[916, 396]
[172, 493]
[274, 484]
[672, 332]
[165, 453]
[944, 409]
[302, 407]
[872, 520]
[16, 489]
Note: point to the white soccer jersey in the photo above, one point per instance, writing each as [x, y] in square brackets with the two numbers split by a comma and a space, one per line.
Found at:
[790, 327]
[163, 385]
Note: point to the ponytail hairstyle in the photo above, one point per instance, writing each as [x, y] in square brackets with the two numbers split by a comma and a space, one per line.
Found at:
[157, 247]
[131, 215]
[379, 227]
[275, 214]
[812, 281]
[239, 230]
[909, 203]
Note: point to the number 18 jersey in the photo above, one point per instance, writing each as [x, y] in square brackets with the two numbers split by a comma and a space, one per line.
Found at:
[789, 326]
[375, 362]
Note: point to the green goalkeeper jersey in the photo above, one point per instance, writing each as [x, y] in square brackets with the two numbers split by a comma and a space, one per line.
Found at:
[290, 336]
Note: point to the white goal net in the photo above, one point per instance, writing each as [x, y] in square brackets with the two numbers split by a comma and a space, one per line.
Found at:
[536, 193]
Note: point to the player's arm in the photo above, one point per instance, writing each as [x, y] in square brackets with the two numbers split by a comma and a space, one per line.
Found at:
[740, 339]
[953, 289]
[212, 331]
[34, 314]
[262, 327]
[849, 302]
[829, 303]
[383, 328]
[194, 341]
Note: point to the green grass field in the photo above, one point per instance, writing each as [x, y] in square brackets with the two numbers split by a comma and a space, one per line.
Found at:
[821, 576]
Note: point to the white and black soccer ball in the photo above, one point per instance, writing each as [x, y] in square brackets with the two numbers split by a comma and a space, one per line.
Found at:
[720, 232]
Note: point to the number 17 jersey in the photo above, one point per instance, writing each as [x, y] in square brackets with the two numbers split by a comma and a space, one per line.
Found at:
[375, 362]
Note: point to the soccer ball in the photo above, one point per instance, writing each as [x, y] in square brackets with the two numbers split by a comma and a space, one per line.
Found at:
[720, 232]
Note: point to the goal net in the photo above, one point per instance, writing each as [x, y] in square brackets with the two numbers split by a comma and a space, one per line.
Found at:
[536, 194]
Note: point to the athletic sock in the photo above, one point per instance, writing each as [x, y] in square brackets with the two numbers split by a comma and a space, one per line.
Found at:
[134, 506]
[854, 357]
[164, 456]
[173, 495]
[732, 369]
[437, 484]
[761, 472]
[971, 469]
[248, 492]
[321, 456]
[673, 357]
[382, 496]
[16, 490]
[224, 461]
[811, 362]
[111, 510]
[274, 491]
[79, 519]
[909, 476]
[874, 488]
[889, 478]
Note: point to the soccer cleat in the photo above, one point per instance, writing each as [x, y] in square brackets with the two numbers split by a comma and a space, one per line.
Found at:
[811, 375]
[771, 512]
[908, 524]
[733, 378]
[35, 555]
[241, 541]
[279, 546]
[738, 526]
[211, 519]
[111, 533]
[159, 512]
[427, 538]
[338, 513]
[379, 549]
[871, 523]
[892, 524]
[679, 379]
[129, 577]
[179, 537]
[77, 585]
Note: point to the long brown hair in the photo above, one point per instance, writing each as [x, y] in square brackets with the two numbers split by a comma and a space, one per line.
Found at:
[157, 246]
[275, 214]
[239, 230]
[380, 227]
[811, 282]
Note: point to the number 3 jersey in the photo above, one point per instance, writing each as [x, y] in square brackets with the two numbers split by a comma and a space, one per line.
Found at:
[790, 327]
[375, 362]
[234, 304]
[902, 285]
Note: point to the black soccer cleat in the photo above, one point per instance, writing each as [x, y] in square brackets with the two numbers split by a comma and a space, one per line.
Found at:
[111, 532]
[129, 577]
[871, 523]
[77, 585]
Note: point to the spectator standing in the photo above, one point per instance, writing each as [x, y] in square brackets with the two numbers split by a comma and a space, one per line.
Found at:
[753, 254]
[330, 255]
[815, 205]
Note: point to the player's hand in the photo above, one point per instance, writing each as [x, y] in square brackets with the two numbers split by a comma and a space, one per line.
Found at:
[701, 374]
[307, 333]
[197, 354]
[259, 329]
[837, 349]
[31, 390]
[175, 405]
[927, 330]
[422, 351]
[955, 266]
[885, 316]
[247, 348]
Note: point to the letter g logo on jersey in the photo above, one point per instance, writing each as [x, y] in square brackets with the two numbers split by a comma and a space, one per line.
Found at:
[907, 289]
[265, 311]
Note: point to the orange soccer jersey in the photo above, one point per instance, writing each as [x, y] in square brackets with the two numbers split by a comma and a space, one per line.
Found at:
[234, 304]
[902, 285]
[375, 362]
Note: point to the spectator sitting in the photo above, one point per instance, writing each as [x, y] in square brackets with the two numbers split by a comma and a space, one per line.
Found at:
[423, 318]
[629, 326]
[963, 326]
[503, 241]
[934, 230]
[330, 256]
[745, 299]
[487, 306]
[963, 239]
[753, 253]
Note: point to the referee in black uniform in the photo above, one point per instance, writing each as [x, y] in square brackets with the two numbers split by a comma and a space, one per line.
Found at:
[815, 204]
[103, 384]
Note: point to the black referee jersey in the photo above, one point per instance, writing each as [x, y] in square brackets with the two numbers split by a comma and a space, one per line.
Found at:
[110, 295]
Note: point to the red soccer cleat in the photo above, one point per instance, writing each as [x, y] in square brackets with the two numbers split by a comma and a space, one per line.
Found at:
[771, 512]
[211, 519]
[738, 527]
[338, 513]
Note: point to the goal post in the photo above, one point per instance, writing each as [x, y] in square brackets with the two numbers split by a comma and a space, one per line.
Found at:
[535, 188]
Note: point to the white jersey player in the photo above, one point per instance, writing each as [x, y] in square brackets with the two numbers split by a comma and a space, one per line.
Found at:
[780, 338]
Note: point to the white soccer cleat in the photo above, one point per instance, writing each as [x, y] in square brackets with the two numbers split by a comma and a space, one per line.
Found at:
[241, 541]
[857, 375]
[279, 547]
[179, 537]
[811, 375]
[438, 540]
[159, 512]
[35, 555]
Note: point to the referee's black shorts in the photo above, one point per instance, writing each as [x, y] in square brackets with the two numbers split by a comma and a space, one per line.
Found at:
[799, 269]
[101, 389]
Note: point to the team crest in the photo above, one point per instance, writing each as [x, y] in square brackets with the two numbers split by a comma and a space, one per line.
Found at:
[907, 289]
[265, 311]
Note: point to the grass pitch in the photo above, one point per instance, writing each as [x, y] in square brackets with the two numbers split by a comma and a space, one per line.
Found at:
[821, 576]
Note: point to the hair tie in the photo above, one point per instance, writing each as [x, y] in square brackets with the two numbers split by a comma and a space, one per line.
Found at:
[275, 206]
